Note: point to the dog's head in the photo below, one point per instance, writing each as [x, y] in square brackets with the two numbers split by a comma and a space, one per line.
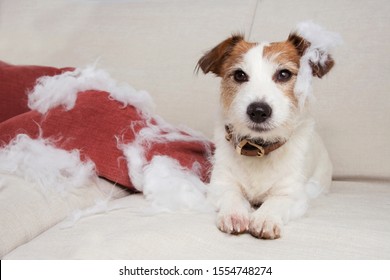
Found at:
[264, 85]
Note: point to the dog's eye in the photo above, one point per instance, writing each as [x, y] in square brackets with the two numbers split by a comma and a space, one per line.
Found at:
[283, 75]
[240, 76]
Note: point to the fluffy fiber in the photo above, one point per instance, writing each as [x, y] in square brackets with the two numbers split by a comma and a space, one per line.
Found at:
[55, 170]
[62, 90]
[164, 182]
[169, 187]
[40, 162]
[103, 204]
[321, 42]
[100, 206]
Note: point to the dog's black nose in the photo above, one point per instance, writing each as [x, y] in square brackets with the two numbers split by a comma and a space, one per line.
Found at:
[259, 112]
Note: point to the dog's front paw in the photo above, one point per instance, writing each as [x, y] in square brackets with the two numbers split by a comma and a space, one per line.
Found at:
[265, 227]
[235, 221]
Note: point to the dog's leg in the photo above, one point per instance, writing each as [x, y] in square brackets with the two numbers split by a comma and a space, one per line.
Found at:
[267, 221]
[233, 216]
[233, 209]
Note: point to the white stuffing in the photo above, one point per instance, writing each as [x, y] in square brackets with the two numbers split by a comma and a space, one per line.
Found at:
[166, 185]
[100, 206]
[136, 161]
[108, 193]
[319, 38]
[55, 171]
[62, 90]
[321, 42]
[154, 133]
[170, 187]
[40, 162]
[164, 182]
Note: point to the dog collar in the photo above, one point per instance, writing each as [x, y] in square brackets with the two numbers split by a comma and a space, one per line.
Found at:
[252, 147]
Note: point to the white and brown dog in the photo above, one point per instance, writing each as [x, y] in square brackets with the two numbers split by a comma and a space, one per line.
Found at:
[268, 156]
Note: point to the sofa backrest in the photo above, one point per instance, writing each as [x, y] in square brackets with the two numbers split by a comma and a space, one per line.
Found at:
[157, 50]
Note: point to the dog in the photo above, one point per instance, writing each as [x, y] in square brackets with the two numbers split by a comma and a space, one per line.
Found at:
[269, 160]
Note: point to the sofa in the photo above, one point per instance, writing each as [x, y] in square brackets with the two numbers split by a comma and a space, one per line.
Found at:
[154, 46]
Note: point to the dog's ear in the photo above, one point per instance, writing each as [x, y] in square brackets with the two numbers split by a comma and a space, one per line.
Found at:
[320, 61]
[299, 43]
[213, 60]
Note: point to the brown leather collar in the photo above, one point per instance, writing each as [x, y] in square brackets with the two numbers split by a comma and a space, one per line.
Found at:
[251, 147]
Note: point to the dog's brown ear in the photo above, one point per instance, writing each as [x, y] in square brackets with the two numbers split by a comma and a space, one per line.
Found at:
[321, 68]
[213, 60]
[321, 64]
[299, 43]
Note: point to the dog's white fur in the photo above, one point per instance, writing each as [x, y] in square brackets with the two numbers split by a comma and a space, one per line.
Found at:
[283, 181]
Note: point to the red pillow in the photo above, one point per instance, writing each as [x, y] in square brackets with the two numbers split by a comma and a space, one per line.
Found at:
[15, 81]
[94, 126]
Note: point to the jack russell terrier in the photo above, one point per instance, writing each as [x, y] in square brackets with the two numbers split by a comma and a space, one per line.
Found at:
[269, 161]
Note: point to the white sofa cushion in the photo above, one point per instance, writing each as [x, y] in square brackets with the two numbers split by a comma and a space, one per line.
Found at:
[27, 211]
[349, 223]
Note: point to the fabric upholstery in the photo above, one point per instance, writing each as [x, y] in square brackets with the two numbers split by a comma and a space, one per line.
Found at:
[15, 82]
[97, 126]
[332, 229]
[27, 212]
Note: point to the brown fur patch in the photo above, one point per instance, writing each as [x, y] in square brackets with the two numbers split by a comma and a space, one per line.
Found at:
[286, 56]
[213, 60]
[228, 93]
[228, 86]
[235, 56]
[299, 43]
[220, 61]
[321, 70]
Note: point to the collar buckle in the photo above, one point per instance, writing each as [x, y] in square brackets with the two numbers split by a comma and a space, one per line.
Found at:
[248, 148]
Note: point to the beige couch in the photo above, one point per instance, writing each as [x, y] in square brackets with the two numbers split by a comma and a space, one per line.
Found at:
[154, 45]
